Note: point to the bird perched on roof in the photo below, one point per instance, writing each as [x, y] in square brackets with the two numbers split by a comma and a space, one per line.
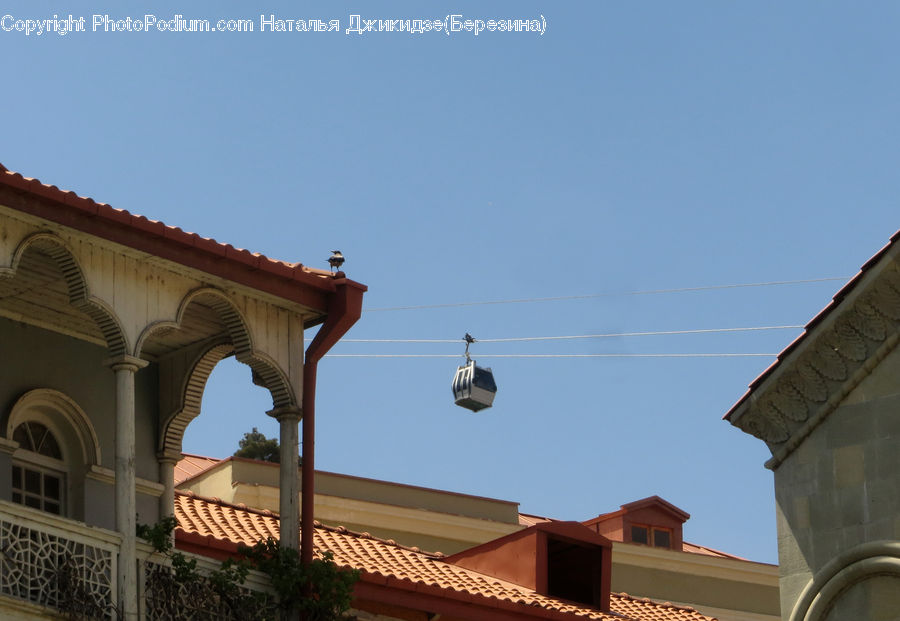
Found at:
[336, 260]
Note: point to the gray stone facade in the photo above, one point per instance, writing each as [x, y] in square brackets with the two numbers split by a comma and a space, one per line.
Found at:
[830, 413]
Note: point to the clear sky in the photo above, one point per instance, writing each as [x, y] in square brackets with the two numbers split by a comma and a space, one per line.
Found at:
[633, 146]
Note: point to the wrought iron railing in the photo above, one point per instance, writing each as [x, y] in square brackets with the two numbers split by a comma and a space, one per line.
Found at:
[166, 597]
[57, 562]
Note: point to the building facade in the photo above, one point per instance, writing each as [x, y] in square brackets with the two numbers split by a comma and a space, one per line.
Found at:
[829, 411]
[110, 324]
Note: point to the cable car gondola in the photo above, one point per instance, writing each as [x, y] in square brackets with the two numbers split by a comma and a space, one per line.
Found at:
[473, 386]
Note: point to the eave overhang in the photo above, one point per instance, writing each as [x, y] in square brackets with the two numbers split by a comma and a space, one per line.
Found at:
[293, 282]
[839, 347]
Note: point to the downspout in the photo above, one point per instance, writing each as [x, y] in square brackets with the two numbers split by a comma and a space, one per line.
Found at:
[344, 309]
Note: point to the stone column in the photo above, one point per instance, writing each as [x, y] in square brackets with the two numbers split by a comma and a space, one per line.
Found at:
[126, 506]
[167, 478]
[289, 484]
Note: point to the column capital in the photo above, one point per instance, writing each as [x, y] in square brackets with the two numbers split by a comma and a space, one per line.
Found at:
[168, 457]
[286, 412]
[126, 362]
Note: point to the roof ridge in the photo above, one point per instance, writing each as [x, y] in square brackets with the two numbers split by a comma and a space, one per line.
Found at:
[183, 454]
[223, 503]
[723, 553]
[647, 600]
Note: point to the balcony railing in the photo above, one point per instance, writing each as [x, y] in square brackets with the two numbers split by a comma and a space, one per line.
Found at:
[165, 597]
[56, 562]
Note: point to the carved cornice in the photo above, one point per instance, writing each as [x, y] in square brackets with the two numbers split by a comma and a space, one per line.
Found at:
[827, 368]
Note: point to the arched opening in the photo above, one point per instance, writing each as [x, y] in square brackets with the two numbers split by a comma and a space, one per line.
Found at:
[231, 406]
[210, 337]
[208, 329]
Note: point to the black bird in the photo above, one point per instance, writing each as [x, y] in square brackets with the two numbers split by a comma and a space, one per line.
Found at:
[336, 260]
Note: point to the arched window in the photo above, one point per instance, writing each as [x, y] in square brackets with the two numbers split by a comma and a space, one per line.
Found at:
[39, 470]
[57, 447]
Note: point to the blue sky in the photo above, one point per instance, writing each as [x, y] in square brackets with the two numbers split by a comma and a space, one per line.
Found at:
[633, 146]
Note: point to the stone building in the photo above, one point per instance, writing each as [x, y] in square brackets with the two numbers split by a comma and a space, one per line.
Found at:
[829, 411]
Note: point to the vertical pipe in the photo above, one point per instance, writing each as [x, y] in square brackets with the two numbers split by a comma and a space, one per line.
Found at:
[344, 309]
[309, 461]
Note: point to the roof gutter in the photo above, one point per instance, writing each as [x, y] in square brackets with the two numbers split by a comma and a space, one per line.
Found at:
[344, 309]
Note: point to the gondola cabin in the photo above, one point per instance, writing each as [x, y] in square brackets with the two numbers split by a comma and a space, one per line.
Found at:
[474, 387]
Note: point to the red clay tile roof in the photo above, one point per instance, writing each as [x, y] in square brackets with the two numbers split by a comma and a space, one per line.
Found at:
[820, 316]
[291, 281]
[693, 548]
[215, 525]
[191, 465]
[527, 519]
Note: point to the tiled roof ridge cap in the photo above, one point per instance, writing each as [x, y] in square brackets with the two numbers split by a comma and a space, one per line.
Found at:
[172, 233]
[728, 555]
[183, 454]
[647, 600]
[222, 503]
[341, 530]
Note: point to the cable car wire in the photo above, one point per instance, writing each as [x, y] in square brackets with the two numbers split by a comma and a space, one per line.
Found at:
[581, 336]
[773, 283]
[678, 355]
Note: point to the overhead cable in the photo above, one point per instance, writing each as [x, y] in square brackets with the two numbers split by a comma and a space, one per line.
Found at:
[773, 283]
[580, 336]
[698, 355]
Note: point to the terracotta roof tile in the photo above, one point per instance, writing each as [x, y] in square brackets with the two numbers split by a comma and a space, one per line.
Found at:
[387, 563]
[191, 465]
[693, 548]
[317, 279]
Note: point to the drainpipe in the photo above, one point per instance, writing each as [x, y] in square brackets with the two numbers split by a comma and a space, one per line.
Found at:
[344, 309]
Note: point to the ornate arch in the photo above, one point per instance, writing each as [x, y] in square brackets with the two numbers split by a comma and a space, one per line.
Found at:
[266, 371]
[62, 415]
[866, 561]
[234, 322]
[76, 284]
[172, 428]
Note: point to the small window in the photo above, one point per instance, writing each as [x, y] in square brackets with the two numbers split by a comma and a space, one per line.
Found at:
[37, 489]
[651, 535]
[640, 534]
[662, 538]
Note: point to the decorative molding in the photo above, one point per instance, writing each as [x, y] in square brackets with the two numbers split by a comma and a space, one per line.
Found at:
[827, 369]
[877, 558]
[55, 408]
[8, 446]
[142, 486]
